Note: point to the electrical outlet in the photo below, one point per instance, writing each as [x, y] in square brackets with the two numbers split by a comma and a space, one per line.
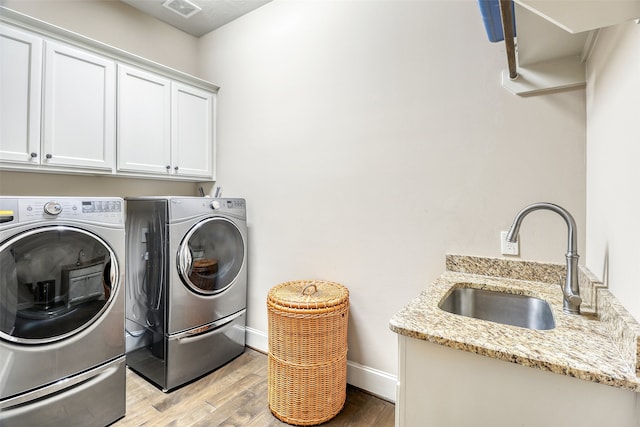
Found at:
[508, 248]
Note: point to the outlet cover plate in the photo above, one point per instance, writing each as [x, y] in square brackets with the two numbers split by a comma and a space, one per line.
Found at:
[509, 248]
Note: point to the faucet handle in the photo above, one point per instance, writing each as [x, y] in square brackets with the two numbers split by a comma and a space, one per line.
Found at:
[574, 300]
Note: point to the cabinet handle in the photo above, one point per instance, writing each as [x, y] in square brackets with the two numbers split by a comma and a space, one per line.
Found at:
[168, 167]
[175, 168]
[34, 155]
[48, 156]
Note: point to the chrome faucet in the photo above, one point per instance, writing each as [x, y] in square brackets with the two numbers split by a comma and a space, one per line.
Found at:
[570, 289]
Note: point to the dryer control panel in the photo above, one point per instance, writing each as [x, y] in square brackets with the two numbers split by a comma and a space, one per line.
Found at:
[190, 207]
[228, 204]
[232, 207]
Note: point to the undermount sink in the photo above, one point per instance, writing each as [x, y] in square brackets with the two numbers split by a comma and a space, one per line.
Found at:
[500, 307]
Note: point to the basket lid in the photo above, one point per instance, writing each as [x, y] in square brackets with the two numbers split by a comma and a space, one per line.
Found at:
[308, 294]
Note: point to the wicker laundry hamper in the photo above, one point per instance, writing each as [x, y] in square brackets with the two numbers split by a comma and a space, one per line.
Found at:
[307, 350]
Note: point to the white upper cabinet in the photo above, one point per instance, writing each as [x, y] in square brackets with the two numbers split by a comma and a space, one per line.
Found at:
[69, 104]
[20, 94]
[192, 131]
[55, 114]
[144, 121]
[164, 127]
[79, 108]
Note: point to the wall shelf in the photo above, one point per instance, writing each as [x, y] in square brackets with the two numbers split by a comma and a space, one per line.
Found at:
[578, 16]
[555, 38]
[554, 74]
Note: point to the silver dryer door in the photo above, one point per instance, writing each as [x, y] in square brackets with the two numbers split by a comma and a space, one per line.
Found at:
[211, 256]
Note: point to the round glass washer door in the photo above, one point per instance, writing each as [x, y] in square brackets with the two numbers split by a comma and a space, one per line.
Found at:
[211, 255]
[54, 282]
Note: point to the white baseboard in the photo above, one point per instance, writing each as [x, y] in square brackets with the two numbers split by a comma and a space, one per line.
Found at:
[257, 340]
[374, 381]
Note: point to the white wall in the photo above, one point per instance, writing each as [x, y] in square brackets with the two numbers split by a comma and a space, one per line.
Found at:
[613, 157]
[372, 137]
[117, 24]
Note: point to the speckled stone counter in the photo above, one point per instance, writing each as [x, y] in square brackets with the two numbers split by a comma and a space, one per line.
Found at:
[601, 345]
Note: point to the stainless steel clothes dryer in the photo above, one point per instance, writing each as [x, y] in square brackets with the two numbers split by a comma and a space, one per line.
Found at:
[186, 286]
[61, 311]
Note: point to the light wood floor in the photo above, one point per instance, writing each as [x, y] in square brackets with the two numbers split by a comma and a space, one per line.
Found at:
[234, 395]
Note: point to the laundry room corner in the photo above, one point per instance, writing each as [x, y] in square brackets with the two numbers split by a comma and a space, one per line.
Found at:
[371, 144]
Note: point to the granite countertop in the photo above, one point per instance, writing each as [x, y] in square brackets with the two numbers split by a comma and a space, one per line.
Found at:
[601, 345]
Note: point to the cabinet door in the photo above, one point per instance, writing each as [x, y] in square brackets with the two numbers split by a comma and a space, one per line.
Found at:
[79, 108]
[144, 121]
[20, 96]
[192, 130]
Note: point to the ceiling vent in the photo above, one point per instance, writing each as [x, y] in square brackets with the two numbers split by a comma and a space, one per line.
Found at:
[184, 8]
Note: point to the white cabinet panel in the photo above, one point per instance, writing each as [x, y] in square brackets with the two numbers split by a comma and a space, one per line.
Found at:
[192, 131]
[79, 108]
[442, 386]
[20, 94]
[164, 127]
[144, 121]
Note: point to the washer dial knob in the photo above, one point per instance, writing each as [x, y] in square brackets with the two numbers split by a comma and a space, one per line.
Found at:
[52, 208]
[215, 205]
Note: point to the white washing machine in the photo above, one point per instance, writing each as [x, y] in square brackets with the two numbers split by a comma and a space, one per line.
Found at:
[186, 286]
[61, 311]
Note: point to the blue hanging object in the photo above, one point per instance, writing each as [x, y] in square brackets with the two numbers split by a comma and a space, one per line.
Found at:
[490, 10]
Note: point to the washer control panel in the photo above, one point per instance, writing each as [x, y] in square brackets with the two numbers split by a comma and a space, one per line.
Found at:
[100, 210]
[52, 208]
